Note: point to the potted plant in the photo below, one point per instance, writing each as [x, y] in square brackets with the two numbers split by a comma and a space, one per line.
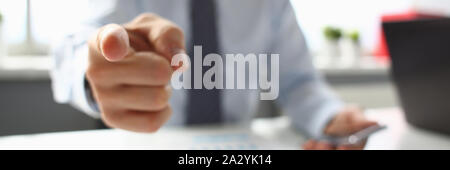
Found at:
[330, 50]
[332, 37]
[350, 48]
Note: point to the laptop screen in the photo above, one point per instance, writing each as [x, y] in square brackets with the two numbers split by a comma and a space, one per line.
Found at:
[420, 53]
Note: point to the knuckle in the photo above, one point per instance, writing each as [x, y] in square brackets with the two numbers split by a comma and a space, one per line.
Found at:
[169, 111]
[152, 127]
[96, 74]
[105, 98]
[171, 29]
[93, 73]
[108, 124]
[164, 76]
[161, 70]
[160, 101]
[110, 119]
[146, 17]
[170, 33]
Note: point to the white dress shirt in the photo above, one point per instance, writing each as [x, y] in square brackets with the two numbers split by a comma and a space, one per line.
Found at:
[250, 26]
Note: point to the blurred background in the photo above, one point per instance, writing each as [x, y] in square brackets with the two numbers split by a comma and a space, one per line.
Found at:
[344, 36]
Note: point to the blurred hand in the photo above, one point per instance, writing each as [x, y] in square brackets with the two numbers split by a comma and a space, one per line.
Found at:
[129, 71]
[348, 121]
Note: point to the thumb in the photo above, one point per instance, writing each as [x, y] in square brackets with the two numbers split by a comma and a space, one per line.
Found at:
[113, 42]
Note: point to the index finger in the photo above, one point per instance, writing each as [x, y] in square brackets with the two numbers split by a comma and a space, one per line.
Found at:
[165, 37]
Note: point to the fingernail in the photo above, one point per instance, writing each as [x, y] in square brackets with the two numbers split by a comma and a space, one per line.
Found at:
[123, 35]
[119, 48]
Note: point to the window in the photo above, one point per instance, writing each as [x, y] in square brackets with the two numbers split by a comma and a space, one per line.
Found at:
[362, 15]
[29, 26]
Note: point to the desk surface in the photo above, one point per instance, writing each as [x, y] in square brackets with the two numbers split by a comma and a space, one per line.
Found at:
[401, 135]
[261, 134]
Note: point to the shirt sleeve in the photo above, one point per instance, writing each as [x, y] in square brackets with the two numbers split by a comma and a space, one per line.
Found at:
[304, 95]
[70, 61]
[70, 58]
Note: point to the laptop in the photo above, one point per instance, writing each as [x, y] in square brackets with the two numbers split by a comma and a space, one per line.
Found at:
[420, 53]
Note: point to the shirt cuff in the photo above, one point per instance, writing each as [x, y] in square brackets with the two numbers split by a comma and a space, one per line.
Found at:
[323, 118]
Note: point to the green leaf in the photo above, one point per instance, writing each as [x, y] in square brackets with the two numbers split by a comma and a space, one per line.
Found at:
[354, 36]
[332, 33]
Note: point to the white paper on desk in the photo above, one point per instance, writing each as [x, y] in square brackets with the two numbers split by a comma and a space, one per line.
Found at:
[224, 139]
[227, 141]
[265, 135]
